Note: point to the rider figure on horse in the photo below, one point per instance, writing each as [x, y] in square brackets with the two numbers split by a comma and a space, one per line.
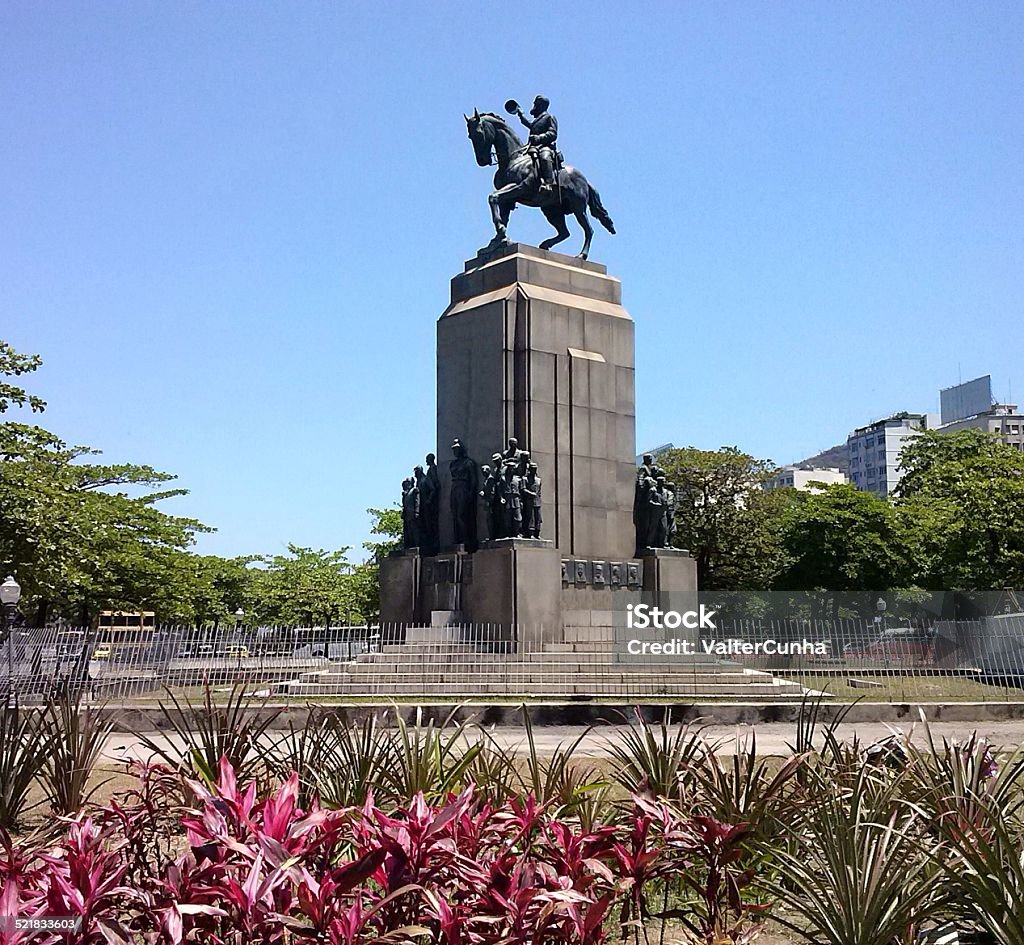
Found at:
[541, 144]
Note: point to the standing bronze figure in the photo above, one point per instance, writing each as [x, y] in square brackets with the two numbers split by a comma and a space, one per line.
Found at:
[430, 507]
[532, 502]
[410, 514]
[524, 169]
[465, 477]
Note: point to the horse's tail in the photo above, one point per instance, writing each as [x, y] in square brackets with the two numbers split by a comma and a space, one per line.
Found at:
[598, 211]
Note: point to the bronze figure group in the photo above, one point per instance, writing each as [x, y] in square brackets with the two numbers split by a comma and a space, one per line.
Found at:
[511, 494]
[654, 507]
[421, 507]
[509, 488]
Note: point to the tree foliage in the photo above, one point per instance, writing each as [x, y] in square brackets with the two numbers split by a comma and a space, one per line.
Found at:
[841, 539]
[76, 539]
[13, 364]
[724, 518]
[961, 506]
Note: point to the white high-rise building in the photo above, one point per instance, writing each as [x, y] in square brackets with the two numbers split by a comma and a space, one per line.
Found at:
[875, 451]
[805, 478]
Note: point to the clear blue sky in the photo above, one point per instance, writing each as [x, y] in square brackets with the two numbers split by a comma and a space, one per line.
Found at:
[229, 228]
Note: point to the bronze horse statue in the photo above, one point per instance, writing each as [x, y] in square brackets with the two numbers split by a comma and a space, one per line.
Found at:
[516, 182]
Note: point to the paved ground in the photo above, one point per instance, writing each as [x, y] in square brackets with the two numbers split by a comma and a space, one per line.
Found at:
[771, 737]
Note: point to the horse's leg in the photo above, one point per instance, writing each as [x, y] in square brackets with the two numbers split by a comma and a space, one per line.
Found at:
[588, 230]
[499, 224]
[500, 211]
[557, 219]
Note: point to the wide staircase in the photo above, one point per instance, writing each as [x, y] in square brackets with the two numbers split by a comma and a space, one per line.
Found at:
[438, 664]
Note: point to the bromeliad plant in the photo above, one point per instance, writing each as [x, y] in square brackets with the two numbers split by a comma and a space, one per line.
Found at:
[25, 742]
[77, 733]
[198, 734]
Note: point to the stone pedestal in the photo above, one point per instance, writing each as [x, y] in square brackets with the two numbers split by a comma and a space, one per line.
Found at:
[668, 574]
[537, 345]
[670, 583]
[400, 588]
[516, 584]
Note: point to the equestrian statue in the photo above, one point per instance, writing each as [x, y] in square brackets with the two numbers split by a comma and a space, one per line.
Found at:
[533, 174]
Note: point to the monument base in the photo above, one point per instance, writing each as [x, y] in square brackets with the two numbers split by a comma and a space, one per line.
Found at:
[521, 591]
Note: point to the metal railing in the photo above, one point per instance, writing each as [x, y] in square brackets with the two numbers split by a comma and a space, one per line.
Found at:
[753, 661]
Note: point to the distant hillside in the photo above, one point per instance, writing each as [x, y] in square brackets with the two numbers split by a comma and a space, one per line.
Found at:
[836, 457]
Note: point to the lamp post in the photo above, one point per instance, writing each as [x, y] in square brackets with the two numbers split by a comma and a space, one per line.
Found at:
[881, 607]
[239, 617]
[10, 594]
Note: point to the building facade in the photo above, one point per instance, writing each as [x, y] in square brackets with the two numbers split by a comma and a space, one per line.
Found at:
[875, 451]
[1002, 420]
[805, 478]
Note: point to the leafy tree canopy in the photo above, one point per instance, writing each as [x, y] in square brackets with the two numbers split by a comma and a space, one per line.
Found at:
[841, 539]
[74, 542]
[13, 364]
[724, 517]
[961, 503]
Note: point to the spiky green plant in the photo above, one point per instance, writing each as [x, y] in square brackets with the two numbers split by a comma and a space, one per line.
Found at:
[856, 872]
[811, 720]
[657, 757]
[24, 747]
[954, 779]
[353, 761]
[198, 735]
[495, 771]
[747, 788]
[77, 735]
[562, 780]
[982, 859]
[429, 757]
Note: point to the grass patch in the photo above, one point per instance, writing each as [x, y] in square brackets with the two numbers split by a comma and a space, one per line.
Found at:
[897, 689]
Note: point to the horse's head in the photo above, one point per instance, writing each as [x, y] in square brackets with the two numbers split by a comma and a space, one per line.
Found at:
[481, 133]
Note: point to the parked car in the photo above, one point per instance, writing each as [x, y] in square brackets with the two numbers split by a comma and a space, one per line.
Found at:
[237, 652]
[102, 652]
[913, 645]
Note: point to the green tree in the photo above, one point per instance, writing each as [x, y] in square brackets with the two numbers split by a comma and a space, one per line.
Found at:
[218, 588]
[13, 364]
[76, 541]
[961, 502]
[724, 517]
[388, 524]
[306, 586]
[841, 539]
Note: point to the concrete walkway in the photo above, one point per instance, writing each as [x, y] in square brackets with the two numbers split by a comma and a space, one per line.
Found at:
[771, 737]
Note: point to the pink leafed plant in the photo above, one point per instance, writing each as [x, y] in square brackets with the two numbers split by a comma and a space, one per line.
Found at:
[233, 866]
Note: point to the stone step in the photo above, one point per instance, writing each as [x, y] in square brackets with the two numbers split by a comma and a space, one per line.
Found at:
[537, 669]
[619, 678]
[525, 679]
[761, 692]
[582, 656]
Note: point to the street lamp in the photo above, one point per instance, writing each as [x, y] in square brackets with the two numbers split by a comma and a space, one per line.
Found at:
[239, 617]
[10, 594]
